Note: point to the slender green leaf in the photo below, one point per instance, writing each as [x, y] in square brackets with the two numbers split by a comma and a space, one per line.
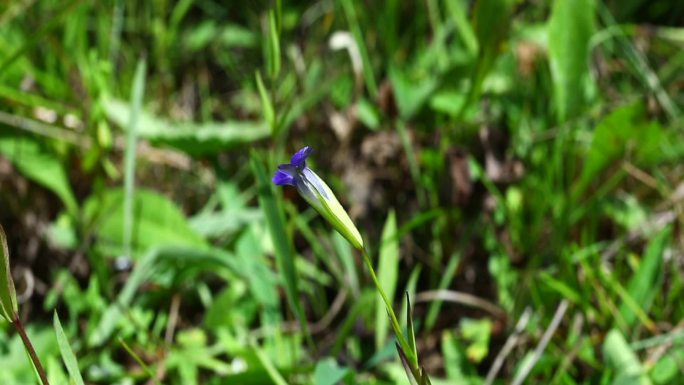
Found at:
[648, 278]
[490, 23]
[275, 220]
[444, 282]
[129, 155]
[8, 296]
[388, 271]
[266, 105]
[67, 354]
[355, 27]
[411, 330]
[273, 46]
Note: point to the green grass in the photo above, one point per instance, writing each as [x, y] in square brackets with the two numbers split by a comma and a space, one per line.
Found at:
[514, 166]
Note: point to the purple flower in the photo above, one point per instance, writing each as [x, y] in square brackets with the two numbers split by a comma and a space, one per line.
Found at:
[312, 188]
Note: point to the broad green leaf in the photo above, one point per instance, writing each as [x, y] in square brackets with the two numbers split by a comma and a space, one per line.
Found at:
[67, 354]
[648, 278]
[40, 166]
[328, 372]
[344, 252]
[157, 221]
[411, 91]
[388, 271]
[570, 27]
[457, 365]
[477, 332]
[627, 130]
[666, 371]
[195, 139]
[620, 357]
[263, 282]
[8, 296]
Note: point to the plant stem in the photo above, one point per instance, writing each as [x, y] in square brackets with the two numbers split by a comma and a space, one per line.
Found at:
[31, 351]
[388, 305]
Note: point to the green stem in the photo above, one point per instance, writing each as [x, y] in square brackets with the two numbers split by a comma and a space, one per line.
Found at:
[31, 351]
[395, 322]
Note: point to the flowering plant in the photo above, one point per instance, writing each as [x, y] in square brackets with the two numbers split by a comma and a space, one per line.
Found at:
[317, 193]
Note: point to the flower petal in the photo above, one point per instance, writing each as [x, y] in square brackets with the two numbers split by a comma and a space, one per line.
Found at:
[299, 158]
[284, 176]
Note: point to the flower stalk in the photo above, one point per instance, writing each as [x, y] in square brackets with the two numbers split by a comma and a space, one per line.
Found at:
[19, 326]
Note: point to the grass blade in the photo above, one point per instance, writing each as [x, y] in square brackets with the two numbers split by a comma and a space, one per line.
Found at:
[444, 282]
[275, 221]
[129, 156]
[388, 270]
[410, 330]
[647, 280]
[67, 354]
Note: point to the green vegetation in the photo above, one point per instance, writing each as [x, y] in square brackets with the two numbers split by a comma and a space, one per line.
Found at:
[513, 168]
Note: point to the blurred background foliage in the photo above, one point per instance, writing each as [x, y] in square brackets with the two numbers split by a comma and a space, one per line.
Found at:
[515, 166]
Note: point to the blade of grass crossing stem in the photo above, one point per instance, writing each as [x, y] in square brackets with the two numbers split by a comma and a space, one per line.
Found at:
[276, 224]
[388, 269]
[67, 354]
[129, 156]
[8, 295]
[445, 281]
